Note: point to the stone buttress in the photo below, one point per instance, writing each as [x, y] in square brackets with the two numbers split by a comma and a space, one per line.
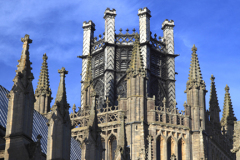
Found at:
[19, 143]
[59, 125]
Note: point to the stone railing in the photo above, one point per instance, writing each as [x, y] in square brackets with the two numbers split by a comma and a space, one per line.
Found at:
[125, 39]
[104, 115]
[97, 45]
[158, 45]
[170, 115]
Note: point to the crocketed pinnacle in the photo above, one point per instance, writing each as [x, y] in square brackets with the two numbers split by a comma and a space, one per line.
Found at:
[43, 81]
[136, 64]
[24, 65]
[213, 103]
[228, 115]
[195, 72]
[88, 78]
[61, 98]
[195, 76]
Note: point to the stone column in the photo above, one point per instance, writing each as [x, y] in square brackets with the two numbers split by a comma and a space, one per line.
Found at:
[109, 16]
[88, 34]
[167, 27]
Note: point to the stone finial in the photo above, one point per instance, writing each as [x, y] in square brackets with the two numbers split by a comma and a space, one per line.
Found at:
[228, 114]
[107, 102]
[74, 108]
[62, 72]
[194, 48]
[136, 64]
[26, 39]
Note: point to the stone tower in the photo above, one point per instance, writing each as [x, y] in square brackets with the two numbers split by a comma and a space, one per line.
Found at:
[128, 106]
[43, 92]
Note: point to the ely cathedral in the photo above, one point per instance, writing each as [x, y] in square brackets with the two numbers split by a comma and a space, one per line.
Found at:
[128, 105]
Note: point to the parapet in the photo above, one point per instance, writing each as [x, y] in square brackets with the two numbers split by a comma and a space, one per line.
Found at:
[143, 11]
[109, 12]
[89, 24]
[167, 23]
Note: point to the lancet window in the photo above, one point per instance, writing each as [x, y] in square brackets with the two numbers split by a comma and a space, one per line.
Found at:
[112, 147]
[98, 65]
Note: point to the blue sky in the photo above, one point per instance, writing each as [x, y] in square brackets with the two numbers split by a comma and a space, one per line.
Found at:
[56, 29]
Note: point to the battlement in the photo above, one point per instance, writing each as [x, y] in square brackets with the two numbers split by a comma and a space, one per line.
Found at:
[166, 23]
[109, 12]
[89, 24]
[143, 11]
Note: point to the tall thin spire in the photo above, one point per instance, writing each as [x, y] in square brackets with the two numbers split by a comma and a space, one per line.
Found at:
[228, 115]
[24, 65]
[61, 98]
[195, 72]
[213, 103]
[43, 92]
[43, 81]
[136, 64]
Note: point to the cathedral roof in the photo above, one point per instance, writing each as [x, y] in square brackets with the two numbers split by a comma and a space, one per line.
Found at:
[228, 115]
[43, 81]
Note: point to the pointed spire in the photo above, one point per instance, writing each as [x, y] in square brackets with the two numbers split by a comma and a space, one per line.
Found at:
[61, 98]
[213, 103]
[24, 65]
[88, 78]
[136, 64]
[228, 115]
[195, 72]
[43, 90]
[43, 81]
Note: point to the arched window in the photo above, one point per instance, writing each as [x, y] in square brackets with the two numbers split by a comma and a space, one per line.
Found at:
[169, 148]
[112, 147]
[181, 150]
[159, 145]
[103, 146]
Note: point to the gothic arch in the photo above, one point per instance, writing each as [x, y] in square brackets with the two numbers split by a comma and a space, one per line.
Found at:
[159, 147]
[112, 146]
[121, 87]
[99, 89]
[181, 149]
[170, 147]
[104, 147]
